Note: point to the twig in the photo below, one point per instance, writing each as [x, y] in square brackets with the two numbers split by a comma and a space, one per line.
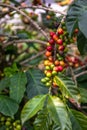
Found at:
[44, 8]
[31, 58]
[24, 40]
[73, 75]
[25, 15]
[6, 35]
[80, 74]
[80, 68]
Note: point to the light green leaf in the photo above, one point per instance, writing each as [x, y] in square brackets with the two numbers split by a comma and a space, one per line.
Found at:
[67, 87]
[34, 85]
[32, 107]
[43, 120]
[17, 86]
[8, 106]
[58, 112]
[79, 120]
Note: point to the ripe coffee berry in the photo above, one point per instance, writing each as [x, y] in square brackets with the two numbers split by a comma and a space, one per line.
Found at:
[48, 53]
[51, 34]
[59, 41]
[60, 31]
[49, 48]
[51, 41]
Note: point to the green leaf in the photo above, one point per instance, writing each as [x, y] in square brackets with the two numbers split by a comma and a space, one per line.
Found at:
[8, 106]
[56, 127]
[82, 44]
[79, 120]
[77, 17]
[82, 22]
[83, 93]
[32, 107]
[58, 112]
[67, 87]
[72, 18]
[34, 85]
[4, 83]
[43, 120]
[17, 86]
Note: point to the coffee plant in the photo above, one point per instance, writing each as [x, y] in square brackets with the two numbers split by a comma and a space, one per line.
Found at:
[43, 66]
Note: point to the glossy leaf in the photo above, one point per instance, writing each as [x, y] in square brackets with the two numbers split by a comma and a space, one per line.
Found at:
[17, 86]
[58, 112]
[67, 87]
[8, 106]
[79, 120]
[32, 107]
[34, 85]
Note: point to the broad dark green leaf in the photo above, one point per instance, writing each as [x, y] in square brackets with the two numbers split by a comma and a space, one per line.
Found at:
[79, 120]
[72, 18]
[83, 93]
[32, 107]
[67, 87]
[82, 43]
[77, 17]
[34, 85]
[58, 112]
[17, 86]
[4, 83]
[43, 120]
[82, 22]
[8, 106]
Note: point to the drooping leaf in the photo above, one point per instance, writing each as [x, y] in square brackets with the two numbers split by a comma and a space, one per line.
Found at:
[32, 107]
[72, 18]
[43, 120]
[79, 120]
[58, 112]
[8, 106]
[67, 87]
[77, 17]
[4, 83]
[17, 86]
[82, 44]
[34, 85]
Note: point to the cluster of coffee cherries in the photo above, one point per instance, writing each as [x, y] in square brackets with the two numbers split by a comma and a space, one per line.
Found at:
[9, 123]
[56, 50]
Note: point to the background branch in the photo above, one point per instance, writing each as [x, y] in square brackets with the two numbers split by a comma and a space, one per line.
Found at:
[30, 20]
[24, 40]
[33, 57]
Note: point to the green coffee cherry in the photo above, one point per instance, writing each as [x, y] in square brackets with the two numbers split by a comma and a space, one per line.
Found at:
[7, 123]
